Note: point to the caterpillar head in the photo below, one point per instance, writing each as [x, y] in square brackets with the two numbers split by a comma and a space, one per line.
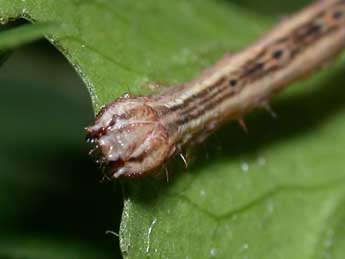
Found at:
[130, 138]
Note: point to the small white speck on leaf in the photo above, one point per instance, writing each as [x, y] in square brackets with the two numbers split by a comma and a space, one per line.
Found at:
[261, 161]
[154, 221]
[213, 252]
[245, 167]
[244, 247]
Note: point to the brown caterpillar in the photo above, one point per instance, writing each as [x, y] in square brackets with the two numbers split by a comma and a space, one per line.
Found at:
[136, 135]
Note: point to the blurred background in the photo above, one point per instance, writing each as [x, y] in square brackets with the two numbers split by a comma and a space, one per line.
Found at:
[52, 201]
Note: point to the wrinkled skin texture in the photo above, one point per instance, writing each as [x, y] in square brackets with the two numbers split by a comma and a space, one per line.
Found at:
[130, 137]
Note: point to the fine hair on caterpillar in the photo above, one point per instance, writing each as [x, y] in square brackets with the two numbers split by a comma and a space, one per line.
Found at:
[135, 135]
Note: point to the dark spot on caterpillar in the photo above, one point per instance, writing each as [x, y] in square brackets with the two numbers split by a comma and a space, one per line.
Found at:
[277, 54]
[337, 15]
[112, 122]
[233, 82]
[308, 31]
[253, 69]
[220, 81]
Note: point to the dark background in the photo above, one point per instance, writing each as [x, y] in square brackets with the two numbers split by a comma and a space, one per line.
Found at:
[51, 197]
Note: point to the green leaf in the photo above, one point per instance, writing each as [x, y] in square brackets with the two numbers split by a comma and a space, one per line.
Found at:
[12, 38]
[277, 192]
[3, 56]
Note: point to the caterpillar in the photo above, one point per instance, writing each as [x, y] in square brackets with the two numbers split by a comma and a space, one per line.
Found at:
[135, 135]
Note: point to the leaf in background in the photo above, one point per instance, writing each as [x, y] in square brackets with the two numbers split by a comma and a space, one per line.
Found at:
[51, 202]
[275, 193]
[3, 56]
[14, 37]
